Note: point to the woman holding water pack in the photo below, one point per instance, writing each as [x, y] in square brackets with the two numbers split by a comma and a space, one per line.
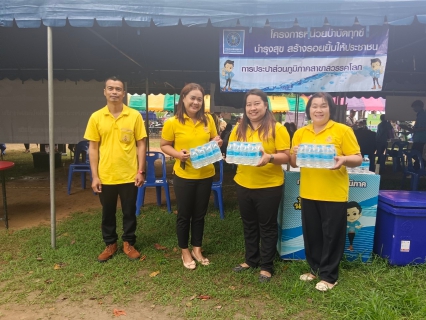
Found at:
[189, 128]
[324, 192]
[259, 188]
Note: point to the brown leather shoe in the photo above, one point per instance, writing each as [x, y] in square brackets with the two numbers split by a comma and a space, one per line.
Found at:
[108, 252]
[130, 251]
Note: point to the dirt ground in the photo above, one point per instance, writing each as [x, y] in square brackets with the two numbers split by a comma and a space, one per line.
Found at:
[28, 200]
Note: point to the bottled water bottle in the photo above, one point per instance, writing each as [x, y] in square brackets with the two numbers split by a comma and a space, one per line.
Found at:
[209, 152]
[365, 166]
[217, 154]
[301, 156]
[230, 152]
[329, 153]
[258, 153]
[310, 156]
[202, 156]
[245, 153]
[195, 159]
[237, 152]
[252, 153]
[317, 151]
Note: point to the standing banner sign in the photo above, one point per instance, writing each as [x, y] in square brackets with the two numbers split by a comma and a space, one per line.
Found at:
[325, 59]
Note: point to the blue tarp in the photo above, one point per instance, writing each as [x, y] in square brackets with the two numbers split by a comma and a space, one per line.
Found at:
[220, 13]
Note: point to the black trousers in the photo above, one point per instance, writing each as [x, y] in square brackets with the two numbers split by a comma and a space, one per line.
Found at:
[381, 157]
[192, 196]
[108, 197]
[259, 213]
[324, 231]
[419, 147]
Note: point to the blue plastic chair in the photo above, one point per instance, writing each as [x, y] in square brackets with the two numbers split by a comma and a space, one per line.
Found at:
[82, 166]
[409, 169]
[217, 191]
[153, 181]
[398, 155]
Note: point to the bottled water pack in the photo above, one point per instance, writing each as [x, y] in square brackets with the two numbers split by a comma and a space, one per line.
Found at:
[316, 156]
[363, 168]
[246, 153]
[206, 154]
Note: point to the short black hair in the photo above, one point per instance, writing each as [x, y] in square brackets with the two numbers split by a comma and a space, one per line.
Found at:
[354, 204]
[382, 117]
[327, 97]
[228, 62]
[418, 103]
[376, 60]
[114, 78]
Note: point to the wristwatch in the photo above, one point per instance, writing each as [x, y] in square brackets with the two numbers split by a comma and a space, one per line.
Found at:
[271, 159]
[142, 173]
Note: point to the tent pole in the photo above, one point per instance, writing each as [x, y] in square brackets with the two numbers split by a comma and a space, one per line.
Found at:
[52, 152]
[147, 112]
[296, 114]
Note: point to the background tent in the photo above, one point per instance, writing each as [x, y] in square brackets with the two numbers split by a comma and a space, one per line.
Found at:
[368, 104]
[159, 102]
[285, 104]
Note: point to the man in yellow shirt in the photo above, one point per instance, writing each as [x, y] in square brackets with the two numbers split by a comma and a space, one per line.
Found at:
[117, 153]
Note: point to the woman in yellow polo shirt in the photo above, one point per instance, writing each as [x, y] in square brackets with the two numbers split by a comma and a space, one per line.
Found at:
[189, 128]
[259, 188]
[324, 192]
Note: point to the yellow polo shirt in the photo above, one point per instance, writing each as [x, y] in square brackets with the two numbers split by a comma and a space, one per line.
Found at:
[326, 184]
[270, 175]
[186, 136]
[117, 143]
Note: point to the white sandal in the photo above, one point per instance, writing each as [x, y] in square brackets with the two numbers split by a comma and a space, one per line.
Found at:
[203, 261]
[190, 265]
[324, 286]
[307, 277]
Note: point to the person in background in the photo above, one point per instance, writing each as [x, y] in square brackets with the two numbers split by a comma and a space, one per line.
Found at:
[239, 119]
[117, 153]
[291, 128]
[216, 121]
[222, 123]
[259, 188]
[189, 128]
[367, 142]
[27, 148]
[418, 130]
[384, 132]
[225, 138]
[350, 120]
[324, 192]
[3, 149]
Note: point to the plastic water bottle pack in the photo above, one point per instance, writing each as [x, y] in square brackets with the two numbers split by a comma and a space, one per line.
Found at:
[246, 153]
[363, 168]
[204, 155]
[316, 156]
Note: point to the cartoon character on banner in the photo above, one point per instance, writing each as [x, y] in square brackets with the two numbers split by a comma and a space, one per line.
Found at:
[377, 70]
[354, 212]
[228, 74]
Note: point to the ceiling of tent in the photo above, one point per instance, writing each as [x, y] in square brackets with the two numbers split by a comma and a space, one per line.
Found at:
[98, 39]
[221, 13]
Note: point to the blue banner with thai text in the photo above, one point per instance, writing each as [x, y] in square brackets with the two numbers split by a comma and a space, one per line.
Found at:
[325, 59]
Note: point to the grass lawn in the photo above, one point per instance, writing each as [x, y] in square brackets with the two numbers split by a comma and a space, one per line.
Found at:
[33, 273]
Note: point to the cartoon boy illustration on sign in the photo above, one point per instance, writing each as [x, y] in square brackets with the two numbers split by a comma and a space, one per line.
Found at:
[228, 74]
[354, 212]
[376, 65]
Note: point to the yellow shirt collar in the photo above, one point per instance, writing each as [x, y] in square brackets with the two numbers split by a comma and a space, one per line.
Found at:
[125, 111]
[329, 124]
